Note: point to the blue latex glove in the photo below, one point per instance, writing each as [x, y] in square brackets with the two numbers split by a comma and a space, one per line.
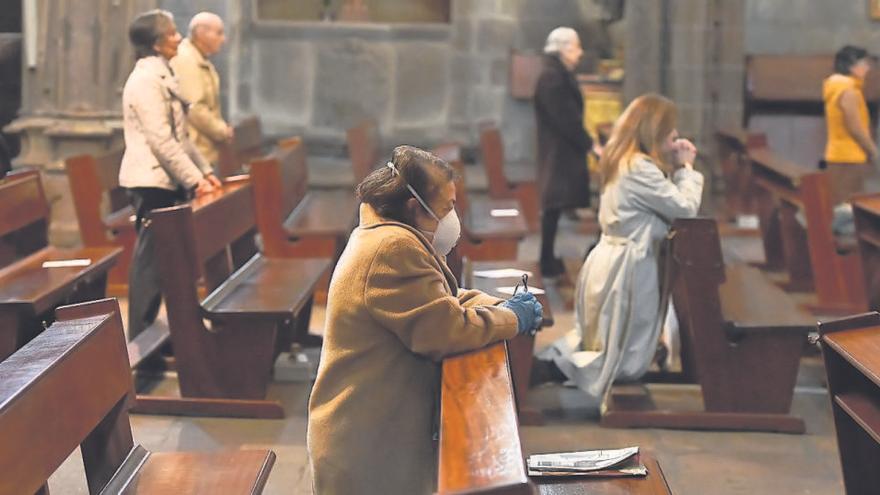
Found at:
[529, 312]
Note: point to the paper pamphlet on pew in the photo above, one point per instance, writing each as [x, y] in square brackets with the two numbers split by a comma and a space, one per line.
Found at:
[66, 263]
[504, 212]
[576, 462]
[501, 273]
[509, 290]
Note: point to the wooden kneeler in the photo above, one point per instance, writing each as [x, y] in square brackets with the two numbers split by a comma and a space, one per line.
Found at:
[740, 334]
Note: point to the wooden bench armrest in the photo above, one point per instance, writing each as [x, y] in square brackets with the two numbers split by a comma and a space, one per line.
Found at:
[27, 282]
[267, 288]
[322, 213]
[480, 449]
[735, 331]
[148, 341]
[232, 471]
[755, 304]
[120, 219]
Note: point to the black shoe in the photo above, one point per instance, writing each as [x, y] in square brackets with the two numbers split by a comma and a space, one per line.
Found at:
[552, 268]
[545, 372]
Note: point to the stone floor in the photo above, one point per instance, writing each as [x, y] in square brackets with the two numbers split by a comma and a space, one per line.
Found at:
[694, 462]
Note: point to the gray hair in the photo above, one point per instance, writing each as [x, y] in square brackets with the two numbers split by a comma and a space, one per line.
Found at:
[146, 30]
[560, 38]
[201, 19]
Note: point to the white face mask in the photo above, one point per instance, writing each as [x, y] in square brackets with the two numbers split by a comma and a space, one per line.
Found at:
[448, 228]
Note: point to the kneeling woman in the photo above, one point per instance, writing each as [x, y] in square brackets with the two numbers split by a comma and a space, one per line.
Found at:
[648, 181]
[393, 313]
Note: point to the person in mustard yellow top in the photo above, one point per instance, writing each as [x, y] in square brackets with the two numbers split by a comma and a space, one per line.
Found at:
[850, 151]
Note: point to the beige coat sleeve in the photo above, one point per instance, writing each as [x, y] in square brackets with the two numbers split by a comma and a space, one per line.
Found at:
[191, 85]
[406, 294]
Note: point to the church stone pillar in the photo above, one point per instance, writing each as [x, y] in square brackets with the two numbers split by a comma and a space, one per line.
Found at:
[75, 62]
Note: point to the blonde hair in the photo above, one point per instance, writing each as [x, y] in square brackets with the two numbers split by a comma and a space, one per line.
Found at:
[642, 129]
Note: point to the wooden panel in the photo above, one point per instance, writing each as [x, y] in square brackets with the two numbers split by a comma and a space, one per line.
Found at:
[795, 77]
[850, 349]
[323, 212]
[266, 287]
[27, 282]
[748, 299]
[861, 348]
[221, 217]
[653, 484]
[79, 367]
[22, 201]
[232, 472]
[480, 449]
[776, 168]
[247, 144]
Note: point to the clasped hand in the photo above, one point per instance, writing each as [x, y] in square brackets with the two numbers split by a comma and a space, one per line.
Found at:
[529, 312]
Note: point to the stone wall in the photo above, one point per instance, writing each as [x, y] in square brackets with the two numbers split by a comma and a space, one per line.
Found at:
[808, 26]
[692, 52]
[424, 83]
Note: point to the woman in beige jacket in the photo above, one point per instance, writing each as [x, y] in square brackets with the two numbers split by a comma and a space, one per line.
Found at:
[393, 313]
[160, 167]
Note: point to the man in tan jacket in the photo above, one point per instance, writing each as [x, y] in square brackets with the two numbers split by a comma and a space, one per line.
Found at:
[200, 84]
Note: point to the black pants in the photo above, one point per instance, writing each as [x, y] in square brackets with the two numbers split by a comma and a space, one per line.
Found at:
[144, 286]
[549, 227]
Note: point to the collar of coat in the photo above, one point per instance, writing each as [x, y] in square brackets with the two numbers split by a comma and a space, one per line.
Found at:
[187, 46]
[370, 219]
[155, 64]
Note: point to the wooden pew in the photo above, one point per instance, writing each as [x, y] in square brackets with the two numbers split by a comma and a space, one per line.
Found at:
[866, 209]
[79, 367]
[94, 182]
[732, 148]
[504, 186]
[483, 237]
[226, 344]
[480, 450]
[522, 348]
[811, 254]
[364, 148]
[851, 349]
[29, 293]
[247, 144]
[295, 222]
[742, 339]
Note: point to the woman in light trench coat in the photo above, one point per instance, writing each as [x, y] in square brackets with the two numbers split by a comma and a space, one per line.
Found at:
[648, 181]
[160, 167]
[393, 313]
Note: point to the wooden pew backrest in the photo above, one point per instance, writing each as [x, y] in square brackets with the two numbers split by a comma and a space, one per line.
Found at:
[247, 144]
[92, 179]
[280, 183]
[704, 306]
[56, 391]
[480, 450]
[795, 78]
[24, 216]
[364, 148]
[492, 154]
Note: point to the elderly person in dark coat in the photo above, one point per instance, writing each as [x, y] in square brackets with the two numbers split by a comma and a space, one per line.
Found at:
[562, 141]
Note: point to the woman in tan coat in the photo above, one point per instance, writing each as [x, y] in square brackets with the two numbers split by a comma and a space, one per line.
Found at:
[393, 313]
